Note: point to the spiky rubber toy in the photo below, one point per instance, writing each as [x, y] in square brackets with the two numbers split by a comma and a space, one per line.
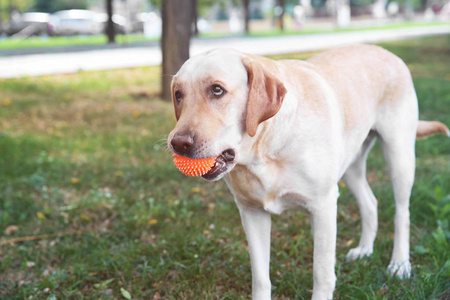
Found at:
[193, 167]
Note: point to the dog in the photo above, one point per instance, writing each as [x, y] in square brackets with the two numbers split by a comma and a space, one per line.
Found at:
[285, 132]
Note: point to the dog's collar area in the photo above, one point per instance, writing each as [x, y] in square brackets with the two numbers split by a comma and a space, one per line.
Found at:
[221, 164]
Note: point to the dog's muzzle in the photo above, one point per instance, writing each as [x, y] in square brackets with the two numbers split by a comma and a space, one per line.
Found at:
[221, 165]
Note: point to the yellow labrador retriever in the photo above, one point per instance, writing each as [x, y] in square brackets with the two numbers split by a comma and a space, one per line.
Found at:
[285, 132]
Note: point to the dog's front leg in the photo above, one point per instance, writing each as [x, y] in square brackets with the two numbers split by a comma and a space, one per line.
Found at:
[257, 224]
[324, 229]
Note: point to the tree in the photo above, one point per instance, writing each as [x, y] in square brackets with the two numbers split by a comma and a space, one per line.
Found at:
[110, 32]
[195, 17]
[156, 3]
[246, 4]
[279, 11]
[343, 14]
[176, 33]
[55, 5]
[1, 18]
[8, 6]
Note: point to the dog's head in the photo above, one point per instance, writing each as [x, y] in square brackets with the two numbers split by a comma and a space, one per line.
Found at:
[220, 97]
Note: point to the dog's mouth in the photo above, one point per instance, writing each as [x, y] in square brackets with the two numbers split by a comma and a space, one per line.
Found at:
[222, 165]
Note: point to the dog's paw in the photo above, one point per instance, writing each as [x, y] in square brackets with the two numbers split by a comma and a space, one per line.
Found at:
[359, 252]
[400, 269]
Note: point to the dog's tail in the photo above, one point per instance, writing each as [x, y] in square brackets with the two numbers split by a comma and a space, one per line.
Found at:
[427, 128]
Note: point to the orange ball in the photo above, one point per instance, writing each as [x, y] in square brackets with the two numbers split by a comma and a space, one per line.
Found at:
[193, 167]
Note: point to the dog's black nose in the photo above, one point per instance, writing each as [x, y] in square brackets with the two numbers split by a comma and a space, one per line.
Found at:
[182, 143]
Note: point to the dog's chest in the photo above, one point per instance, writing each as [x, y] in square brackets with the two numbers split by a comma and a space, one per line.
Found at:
[263, 187]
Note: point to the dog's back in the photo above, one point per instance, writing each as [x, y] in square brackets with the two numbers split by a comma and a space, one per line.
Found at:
[368, 74]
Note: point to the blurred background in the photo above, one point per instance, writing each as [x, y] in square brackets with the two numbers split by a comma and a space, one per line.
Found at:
[153, 32]
[20, 19]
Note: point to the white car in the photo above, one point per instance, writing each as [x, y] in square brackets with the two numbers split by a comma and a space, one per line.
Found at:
[76, 21]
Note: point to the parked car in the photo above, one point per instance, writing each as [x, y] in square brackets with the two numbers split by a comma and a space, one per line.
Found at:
[32, 23]
[78, 21]
[75, 21]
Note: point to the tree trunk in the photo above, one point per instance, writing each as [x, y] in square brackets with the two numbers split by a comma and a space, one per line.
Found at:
[176, 33]
[246, 4]
[110, 32]
[281, 16]
[343, 13]
[1, 19]
[195, 17]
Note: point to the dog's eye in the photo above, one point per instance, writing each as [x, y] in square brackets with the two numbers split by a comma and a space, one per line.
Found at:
[178, 96]
[217, 90]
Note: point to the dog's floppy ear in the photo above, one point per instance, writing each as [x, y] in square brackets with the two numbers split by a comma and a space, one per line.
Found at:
[265, 95]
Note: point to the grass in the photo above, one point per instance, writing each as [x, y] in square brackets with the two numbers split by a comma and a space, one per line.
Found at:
[312, 30]
[83, 160]
[86, 40]
[66, 41]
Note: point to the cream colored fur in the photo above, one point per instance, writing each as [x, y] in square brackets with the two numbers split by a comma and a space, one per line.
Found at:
[296, 129]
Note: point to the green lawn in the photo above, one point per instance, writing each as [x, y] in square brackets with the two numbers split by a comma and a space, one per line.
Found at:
[66, 41]
[312, 30]
[84, 169]
[86, 40]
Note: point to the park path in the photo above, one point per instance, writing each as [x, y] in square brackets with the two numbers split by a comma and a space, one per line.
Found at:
[71, 62]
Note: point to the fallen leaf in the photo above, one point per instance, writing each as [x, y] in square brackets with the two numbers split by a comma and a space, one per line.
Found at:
[47, 272]
[152, 222]
[107, 292]
[211, 206]
[102, 285]
[11, 229]
[40, 215]
[196, 190]
[136, 114]
[125, 293]
[6, 102]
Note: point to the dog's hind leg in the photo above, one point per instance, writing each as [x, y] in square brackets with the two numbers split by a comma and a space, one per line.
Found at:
[397, 128]
[356, 181]
[400, 158]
